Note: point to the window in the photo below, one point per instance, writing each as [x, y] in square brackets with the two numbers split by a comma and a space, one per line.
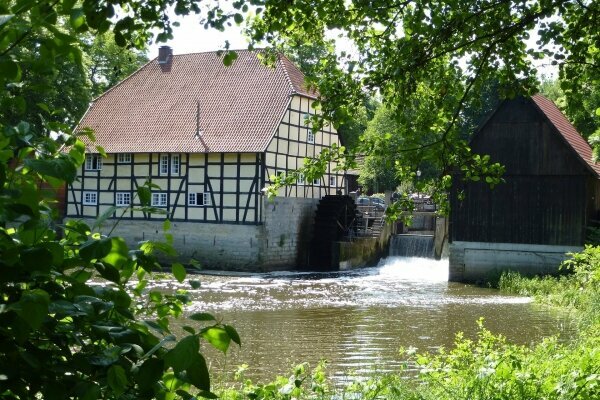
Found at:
[93, 162]
[124, 158]
[333, 181]
[300, 180]
[164, 164]
[159, 199]
[90, 198]
[316, 182]
[310, 136]
[175, 164]
[199, 199]
[122, 198]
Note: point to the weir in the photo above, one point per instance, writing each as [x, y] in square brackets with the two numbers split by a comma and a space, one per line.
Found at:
[411, 245]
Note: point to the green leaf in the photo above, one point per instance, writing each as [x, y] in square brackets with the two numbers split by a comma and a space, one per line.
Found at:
[117, 379]
[95, 249]
[183, 355]
[233, 334]
[9, 70]
[77, 18]
[197, 373]
[598, 111]
[178, 271]
[145, 195]
[195, 284]
[37, 259]
[108, 272]
[166, 225]
[238, 18]
[202, 317]
[229, 58]
[218, 337]
[33, 307]
[149, 373]
[60, 167]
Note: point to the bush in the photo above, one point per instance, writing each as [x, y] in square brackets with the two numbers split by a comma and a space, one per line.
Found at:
[75, 318]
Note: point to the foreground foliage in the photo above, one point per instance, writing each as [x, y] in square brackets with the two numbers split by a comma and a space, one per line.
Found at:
[75, 318]
[487, 367]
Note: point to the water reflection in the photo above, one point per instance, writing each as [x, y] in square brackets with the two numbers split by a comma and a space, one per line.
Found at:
[357, 320]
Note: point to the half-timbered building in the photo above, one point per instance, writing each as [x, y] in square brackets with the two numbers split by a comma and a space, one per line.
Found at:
[550, 196]
[209, 136]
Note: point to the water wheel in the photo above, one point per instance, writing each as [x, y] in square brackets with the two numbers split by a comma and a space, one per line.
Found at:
[335, 219]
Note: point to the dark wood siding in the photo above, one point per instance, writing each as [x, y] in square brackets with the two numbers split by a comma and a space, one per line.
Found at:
[549, 194]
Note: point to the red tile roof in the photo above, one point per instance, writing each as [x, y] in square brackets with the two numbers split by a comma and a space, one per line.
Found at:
[240, 106]
[567, 130]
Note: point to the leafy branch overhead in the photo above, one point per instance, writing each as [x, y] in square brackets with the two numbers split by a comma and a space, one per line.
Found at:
[429, 62]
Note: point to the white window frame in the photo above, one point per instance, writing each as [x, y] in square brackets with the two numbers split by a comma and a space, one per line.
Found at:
[123, 158]
[122, 199]
[333, 181]
[163, 164]
[317, 182]
[310, 135]
[194, 197]
[159, 199]
[300, 181]
[89, 198]
[175, 164]
[93, 162]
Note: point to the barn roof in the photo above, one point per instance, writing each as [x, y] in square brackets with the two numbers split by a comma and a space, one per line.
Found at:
[156, 109]
[567, 131]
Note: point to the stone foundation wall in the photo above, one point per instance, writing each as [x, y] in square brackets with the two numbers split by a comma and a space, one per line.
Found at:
[279, 243]
[287, 231]
[478, 261]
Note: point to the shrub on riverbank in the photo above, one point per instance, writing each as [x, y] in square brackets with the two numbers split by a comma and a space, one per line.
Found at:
[485, 368]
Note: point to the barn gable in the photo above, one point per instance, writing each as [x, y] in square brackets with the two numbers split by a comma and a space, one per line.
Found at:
[541, 211]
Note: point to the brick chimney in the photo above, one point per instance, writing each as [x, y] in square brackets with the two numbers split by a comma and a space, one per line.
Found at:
[165, 58]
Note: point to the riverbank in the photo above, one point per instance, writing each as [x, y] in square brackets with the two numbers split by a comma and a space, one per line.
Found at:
[486, 367]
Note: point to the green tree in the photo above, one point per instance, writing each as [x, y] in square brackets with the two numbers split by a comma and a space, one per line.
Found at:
[107, 63]
[452, 47]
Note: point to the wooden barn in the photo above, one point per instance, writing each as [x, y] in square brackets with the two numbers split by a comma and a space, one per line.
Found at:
[550, 197]
[210, 137]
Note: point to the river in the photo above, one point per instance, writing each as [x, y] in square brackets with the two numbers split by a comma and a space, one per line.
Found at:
[358, 319]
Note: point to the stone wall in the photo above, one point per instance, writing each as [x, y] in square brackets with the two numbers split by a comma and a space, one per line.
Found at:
[287, 231]
[478, 261]
[281, 242]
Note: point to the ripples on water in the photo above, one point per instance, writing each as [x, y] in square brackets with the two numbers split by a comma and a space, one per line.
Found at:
[358, 319]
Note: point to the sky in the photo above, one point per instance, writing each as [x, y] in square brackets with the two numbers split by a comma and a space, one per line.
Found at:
[191, 37]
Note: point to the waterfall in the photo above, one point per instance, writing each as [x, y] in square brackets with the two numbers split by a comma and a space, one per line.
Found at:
[412, 246]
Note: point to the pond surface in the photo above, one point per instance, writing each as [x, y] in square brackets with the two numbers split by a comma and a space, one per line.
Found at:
[358, 319]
